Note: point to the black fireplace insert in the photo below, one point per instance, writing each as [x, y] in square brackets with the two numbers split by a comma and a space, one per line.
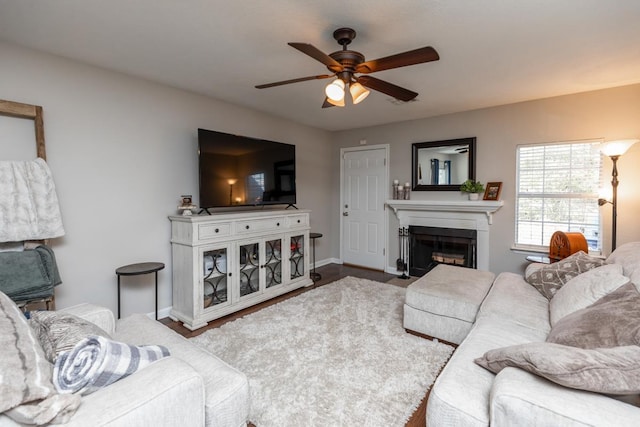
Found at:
[430, 246]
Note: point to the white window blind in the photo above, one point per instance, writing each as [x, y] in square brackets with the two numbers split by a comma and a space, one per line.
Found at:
[557, 190]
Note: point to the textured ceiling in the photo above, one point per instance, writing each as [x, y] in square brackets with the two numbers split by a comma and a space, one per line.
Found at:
[492, 52]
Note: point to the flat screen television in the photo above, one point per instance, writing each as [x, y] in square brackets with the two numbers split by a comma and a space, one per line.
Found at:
[239, 171]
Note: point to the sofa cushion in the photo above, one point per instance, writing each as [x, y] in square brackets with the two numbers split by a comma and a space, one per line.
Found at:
[522, 398]
[504, 304]
[461, 393]
[628, 256]
[601, 370]
[450, 291]
[613, 320]
[585, 289]
[58, 332]
[26, 391]
[548, 279]
[226, 388]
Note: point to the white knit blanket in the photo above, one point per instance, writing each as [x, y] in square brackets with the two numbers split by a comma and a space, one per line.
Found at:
[29, 207]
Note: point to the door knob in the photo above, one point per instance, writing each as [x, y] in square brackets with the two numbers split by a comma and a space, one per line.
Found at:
[345, 213]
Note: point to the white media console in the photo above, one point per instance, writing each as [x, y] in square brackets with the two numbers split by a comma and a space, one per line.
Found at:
[225, 262]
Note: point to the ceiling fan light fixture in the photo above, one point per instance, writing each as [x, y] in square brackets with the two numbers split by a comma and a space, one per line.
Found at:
[358, 92]
[339, 103]
[335, 91]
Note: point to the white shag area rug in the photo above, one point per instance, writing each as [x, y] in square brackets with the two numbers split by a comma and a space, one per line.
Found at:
[333, 356]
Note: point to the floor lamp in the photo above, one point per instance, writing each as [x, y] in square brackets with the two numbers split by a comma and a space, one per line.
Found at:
[231, 182]
[614, 149]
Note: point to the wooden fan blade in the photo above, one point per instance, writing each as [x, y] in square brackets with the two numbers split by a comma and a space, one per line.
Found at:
[301, 79]
[388, 88]
[318, 55]
[412, 57]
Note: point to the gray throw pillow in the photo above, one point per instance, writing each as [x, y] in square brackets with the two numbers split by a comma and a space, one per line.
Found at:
[585, 289]
[58, 332]
[604, 370]
[548, 279]
[612, 321]
[27, 394]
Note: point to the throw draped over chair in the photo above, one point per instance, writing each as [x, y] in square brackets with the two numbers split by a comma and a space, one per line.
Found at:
[29, 216]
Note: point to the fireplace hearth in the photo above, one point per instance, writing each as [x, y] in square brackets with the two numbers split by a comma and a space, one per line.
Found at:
[430, 246]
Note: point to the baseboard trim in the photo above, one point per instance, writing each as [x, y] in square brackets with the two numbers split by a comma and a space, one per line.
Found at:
[162, 313]
[326, 261]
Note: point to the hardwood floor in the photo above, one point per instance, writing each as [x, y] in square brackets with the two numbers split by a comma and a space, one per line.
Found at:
[330, 273]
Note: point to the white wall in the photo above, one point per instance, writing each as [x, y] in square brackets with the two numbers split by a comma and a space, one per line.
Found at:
[122, 150]
[608, 114]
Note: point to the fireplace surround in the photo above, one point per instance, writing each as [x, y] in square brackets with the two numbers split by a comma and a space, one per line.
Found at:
[455, 214]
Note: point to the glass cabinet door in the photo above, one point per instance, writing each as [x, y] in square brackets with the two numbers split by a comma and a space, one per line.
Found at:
[297, 256]
[273, 262]
[215, 285]
[249, 270]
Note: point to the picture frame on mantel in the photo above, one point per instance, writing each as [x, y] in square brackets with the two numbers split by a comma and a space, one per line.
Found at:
[492, 192]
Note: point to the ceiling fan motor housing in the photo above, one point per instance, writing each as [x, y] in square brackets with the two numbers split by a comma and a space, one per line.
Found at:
[349, 60]
[344, 36]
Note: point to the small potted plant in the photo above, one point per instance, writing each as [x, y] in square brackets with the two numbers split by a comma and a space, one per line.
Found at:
[474, 188]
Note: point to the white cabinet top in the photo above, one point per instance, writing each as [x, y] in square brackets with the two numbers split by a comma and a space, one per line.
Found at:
[237, 215]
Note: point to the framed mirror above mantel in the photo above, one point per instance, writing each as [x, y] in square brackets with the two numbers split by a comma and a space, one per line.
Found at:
[443, 165]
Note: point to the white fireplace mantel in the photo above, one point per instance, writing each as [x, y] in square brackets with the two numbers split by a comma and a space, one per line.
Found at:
[487, 207]
[464, 214]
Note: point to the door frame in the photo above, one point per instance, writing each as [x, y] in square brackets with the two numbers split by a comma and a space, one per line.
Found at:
[343, 151]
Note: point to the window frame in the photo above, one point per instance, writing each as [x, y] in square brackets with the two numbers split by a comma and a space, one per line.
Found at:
[550, 195]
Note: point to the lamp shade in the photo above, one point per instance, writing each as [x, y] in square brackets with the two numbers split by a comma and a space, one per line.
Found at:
[618, 147]
[335, 90]
[358, 92]
[339, 103]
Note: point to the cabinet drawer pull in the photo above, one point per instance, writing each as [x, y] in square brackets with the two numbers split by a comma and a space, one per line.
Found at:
[217, 230]
[298, 221]
[246, 226]
[229, 274]
[277, 224]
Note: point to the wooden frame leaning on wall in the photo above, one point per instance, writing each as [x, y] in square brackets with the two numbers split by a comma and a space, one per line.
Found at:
[27, 111]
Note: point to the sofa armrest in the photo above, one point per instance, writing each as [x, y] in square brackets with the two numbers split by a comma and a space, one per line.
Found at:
[150, 397]
[101, 316]
[516, 394]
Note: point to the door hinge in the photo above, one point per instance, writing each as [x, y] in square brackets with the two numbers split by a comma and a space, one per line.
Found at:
[384, 251]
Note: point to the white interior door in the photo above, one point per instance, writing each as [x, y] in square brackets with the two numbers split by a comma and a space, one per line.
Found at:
[364, 191]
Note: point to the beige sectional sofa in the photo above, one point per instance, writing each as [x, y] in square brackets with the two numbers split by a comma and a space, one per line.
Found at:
[191, 387]
[513, 313]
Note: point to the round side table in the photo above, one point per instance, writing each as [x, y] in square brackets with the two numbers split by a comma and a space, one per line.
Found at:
[314, 276]
[540, 259]
[135, 270]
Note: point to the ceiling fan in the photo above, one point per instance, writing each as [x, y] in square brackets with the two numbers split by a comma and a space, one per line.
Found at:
[346, 64]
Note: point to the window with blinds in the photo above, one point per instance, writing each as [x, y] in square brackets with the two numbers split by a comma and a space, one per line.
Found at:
[557, 190]
[255, 188]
